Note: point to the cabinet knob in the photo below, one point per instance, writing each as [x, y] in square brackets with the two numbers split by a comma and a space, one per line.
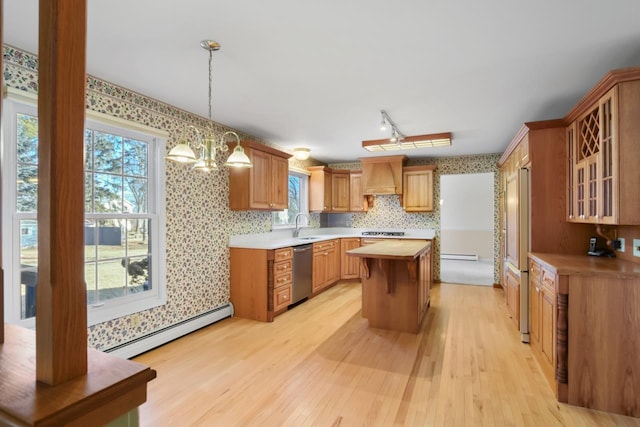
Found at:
[597, 216]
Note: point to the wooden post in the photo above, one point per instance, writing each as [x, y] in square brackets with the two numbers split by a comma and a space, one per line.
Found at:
[1, 266]
[61, 308]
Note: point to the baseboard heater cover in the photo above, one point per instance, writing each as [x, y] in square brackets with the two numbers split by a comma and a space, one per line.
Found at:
[162, 336]
[463, 257]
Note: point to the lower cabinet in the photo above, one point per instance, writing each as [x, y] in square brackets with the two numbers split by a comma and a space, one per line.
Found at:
[260, 283]
[326, 264]
[512, 293]
[542, 318]
[349, 265]
[425, 278]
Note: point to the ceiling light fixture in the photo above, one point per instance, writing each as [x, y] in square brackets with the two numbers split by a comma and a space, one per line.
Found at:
[396, 135]
[409, 142]
[301, 153]
[208, 144]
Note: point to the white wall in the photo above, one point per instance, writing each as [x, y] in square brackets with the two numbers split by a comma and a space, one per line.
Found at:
[467, 214]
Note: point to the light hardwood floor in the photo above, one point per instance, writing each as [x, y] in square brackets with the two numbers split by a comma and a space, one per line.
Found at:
[320, 365]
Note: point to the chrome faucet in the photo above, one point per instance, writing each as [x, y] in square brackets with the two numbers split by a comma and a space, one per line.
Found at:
[296, 232]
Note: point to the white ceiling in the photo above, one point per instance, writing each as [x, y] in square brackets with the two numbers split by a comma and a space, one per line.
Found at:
[317, 73]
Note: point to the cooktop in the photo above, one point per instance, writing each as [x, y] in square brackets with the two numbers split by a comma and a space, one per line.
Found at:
[383, 233]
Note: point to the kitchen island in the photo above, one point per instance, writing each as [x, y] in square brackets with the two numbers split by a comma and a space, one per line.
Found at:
[396, 281]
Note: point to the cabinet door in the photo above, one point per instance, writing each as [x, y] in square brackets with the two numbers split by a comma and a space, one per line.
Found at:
[512, 237]
[534, 311]
[513, 296]
[349, 265]
[608, 177]
[333, 265]
[417, 190]
[356, 198]
[547, 312]
[260, 181]
[340, 184]
[319, 274]
[279, 179]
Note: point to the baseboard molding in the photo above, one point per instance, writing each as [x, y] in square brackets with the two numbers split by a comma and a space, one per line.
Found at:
[170, 333]
[462, 257]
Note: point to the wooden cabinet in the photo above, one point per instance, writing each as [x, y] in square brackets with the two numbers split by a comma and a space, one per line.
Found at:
[280, 293]
[533, 189]
[512, 293]
[417, 187]
[350, 266]
[589, 330]
[340, 190]
[329, 189]
[604, 154]
[260, 283]
[542, 318]
[425, 278]
[326, 264]
[357, 201]
[265, 186]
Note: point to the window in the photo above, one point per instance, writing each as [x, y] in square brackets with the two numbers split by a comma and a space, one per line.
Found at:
[124, 211]
[298, 200]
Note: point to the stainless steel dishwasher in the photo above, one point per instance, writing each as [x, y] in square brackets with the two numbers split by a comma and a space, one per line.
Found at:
[302, 270]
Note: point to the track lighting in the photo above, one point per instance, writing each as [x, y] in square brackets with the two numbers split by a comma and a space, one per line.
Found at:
[399, 141]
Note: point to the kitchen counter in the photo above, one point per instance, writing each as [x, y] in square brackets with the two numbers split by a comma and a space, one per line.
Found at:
[585, 265]
[396, 283]
[407, 250]
[284, 238]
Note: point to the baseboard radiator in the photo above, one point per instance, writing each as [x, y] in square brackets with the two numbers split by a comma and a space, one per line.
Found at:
[170, 333]
[463, 257]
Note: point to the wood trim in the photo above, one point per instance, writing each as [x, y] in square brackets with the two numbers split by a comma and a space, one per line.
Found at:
[111, 387]
[562, 336]
[609, 80]
[383, 159]
[1, 266]
[418, 168]
[524, 129]
[261, 147]
[61, 339]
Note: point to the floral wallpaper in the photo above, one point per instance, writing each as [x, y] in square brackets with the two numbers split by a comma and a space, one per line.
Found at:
[387, 211]
[198, 220]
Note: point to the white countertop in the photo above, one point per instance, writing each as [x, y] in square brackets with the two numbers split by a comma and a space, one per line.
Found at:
[284, 238]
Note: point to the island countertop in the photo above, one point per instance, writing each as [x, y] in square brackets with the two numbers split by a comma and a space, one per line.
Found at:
[406, 250]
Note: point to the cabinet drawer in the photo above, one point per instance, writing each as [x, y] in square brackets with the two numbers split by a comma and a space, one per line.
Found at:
[535, 272]
[282, 266]
[282, 279]
[549, 280]
[283, 254]
[324, 246]
[281, 297]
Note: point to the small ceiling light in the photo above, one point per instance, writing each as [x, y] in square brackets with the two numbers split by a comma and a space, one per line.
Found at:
[383, 123]
[208, 144]
[301, 153]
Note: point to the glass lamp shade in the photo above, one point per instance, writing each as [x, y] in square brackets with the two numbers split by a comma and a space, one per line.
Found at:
[182, 153]
[238, 159]
[301, 153]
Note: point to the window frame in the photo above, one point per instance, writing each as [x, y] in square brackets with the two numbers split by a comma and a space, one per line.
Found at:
[18, 102]
[304, 198]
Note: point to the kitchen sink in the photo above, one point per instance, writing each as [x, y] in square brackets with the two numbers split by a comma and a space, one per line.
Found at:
[309, 238]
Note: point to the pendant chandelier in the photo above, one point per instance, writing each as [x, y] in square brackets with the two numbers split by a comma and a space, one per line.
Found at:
[207, 143]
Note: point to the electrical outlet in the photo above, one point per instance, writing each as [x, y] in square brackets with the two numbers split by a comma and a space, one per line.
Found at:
[620, 247]
[636, 247]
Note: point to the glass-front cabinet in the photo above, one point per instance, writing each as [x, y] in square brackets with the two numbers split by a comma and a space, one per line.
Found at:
[593, 154]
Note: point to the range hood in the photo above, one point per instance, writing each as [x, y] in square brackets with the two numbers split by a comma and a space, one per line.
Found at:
[382, 175]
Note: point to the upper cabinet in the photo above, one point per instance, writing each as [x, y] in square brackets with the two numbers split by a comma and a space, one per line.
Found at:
[417, 183]
[602, 140]
[357, 202]
[329, 189]
[265, 185]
